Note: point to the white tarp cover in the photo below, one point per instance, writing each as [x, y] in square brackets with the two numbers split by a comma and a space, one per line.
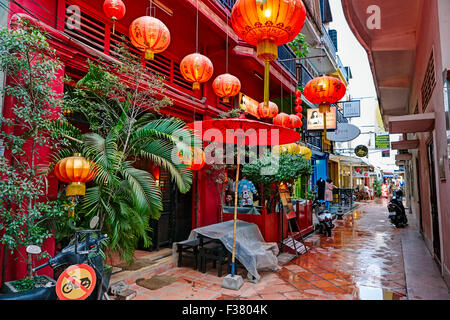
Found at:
[251, 249]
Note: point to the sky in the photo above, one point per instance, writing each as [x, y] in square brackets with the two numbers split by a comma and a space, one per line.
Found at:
[361, 87]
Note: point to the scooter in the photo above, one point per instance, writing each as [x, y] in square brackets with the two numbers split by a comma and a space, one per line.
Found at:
[324, 216]
[86, 251]
[397, 213]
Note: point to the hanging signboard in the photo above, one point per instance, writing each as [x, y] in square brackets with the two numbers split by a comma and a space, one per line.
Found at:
[248, 104]
[344, 132]
[386, 153]
[315, 119]
[382, 141]
[352, 109]
[361, 151]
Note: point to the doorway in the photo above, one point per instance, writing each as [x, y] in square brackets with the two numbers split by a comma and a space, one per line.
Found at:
[175, 221]
[433, 203]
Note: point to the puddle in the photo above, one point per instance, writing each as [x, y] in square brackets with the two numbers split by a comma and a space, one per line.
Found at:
[371, 293]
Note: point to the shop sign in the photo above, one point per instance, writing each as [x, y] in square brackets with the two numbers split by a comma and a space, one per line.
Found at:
[382, 141]
[344, 132]
[361, 151]
[248, 104]
[315, 119]
[352, 109]
[386, 153]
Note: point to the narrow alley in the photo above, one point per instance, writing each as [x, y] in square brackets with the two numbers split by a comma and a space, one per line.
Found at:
[363, 260]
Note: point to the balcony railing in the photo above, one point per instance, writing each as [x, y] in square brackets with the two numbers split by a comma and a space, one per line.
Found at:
[329, 42]
[228, 3]
[303, 75]
[285, 53]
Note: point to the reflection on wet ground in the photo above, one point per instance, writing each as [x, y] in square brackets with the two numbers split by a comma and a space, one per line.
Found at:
[361, 261]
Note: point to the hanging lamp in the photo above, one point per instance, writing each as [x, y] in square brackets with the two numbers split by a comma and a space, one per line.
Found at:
[115, 10]
[267, 25]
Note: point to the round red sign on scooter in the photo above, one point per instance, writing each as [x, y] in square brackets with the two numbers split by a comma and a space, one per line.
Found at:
[76, 282]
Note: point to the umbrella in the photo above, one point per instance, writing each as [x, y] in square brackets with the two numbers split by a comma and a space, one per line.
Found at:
[242, 132]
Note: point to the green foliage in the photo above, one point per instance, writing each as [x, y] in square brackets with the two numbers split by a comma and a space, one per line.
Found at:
[285, 168]
[300, 46]
[377, 188]
[26, 218]
[115, 102]
[270, 170]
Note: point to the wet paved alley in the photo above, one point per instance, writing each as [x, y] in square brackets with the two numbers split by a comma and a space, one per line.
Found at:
[362, 260]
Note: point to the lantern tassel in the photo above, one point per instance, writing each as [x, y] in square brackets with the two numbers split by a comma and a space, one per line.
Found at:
[114, 27]
[266, 82]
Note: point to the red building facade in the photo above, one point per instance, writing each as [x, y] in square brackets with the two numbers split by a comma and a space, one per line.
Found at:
[79, 30]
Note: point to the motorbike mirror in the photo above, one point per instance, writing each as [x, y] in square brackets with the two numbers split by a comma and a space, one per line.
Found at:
[94, 222]
[33, 249]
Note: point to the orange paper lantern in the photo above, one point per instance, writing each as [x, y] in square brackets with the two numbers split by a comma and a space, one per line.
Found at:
[115, 10]
[150, 35]
[295, 121]
[76, 171]
[324, 91]
[267, 111]
[268, 24]
[194, 160]
[196, 68]
[282, 119]
[226, 86]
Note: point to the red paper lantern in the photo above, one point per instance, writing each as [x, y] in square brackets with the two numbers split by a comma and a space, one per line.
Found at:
[324, 91]
[196, 68]
[115, 10]
[298, 93]
[194, 160]
[299, 115]
[298, 101]
[298, 109]
[150, 35]
[282, 120]
[76, 171]
[267, 112]
[295, 121]
[226, 86]
[268, 24]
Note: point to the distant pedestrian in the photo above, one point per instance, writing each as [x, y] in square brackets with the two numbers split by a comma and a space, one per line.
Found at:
[329, 186]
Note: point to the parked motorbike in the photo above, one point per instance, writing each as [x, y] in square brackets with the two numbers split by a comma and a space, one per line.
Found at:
[397, 213]
[324, 216]
[85, 249]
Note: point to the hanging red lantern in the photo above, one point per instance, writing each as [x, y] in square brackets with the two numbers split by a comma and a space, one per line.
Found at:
[196, 68]
[76, 171]
[150, 35]
[267, 25]
[193, 160]
[298, 109]
[294, 121]
[267, 111]
[324, 91]
[115, 10]
[299, 115]
[298, 101]
[226, 86]
[282, 120]
[298, 93]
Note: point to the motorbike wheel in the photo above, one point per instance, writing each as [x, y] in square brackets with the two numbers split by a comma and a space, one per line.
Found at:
[328, 232]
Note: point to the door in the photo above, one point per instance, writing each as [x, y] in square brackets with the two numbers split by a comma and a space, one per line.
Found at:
[434, 208]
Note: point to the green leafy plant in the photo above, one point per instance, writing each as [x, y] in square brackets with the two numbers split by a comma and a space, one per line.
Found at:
[270, 170]
[26, 215]
[120, 104]
[300, 46]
